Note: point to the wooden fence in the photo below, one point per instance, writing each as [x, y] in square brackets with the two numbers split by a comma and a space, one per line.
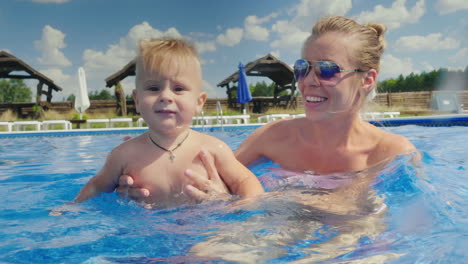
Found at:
[409, 100]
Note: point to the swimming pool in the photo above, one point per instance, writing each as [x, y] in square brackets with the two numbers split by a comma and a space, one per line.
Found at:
[416, 213]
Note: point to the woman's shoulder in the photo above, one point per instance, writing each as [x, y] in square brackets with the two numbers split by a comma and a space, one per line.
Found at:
[280, 127]
[391, 144]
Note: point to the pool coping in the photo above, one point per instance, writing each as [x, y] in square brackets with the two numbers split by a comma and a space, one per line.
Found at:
[433, 121]
[121, 130]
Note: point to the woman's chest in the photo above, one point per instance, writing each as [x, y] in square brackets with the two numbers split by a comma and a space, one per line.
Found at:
[319, 160]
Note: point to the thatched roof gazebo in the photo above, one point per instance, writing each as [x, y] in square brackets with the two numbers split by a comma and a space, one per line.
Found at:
[268, 66]
[10, 65]
[114, 80]
[127, 70]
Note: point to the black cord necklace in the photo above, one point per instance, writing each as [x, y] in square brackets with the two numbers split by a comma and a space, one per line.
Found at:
[171, 151]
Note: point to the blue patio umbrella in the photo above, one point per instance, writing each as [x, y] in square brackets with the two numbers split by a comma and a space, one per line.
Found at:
[243, 92]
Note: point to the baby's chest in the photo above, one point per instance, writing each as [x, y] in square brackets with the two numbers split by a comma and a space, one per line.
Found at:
[164, 177]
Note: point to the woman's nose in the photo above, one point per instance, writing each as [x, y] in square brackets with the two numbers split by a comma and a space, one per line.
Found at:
[311, 78]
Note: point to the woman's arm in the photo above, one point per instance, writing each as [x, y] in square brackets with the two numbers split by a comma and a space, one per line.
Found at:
[237, 177]
[252, 148]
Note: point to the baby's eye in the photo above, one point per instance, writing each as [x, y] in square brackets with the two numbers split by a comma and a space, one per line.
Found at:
[179, 89]
[153, 88]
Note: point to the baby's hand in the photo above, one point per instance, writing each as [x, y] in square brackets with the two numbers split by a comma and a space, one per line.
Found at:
[68, 207]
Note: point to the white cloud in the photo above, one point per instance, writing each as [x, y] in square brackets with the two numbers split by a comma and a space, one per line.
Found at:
[232, 37]
[56, 74]
[204, 62]
[69, 83]
[276, 53]
[427, 66]
[292, 33]
[205, 46]
[51, 1]
[254, 31]
[128, 84]
[460, 57]
[432, 41]
[213, 91]
[392, 67]
[100, 64]
[145, 31]
[450, 6]
[113, 59]
[308, 11]
[290, 36]
[394, 16]
[50, 46]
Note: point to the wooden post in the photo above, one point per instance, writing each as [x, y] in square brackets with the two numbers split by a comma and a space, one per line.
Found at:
[39, 92]
[49, 94]
[292, 102]
[228, 92]
[121, 100]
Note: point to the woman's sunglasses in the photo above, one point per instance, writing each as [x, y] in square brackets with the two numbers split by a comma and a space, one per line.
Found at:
[324, 70]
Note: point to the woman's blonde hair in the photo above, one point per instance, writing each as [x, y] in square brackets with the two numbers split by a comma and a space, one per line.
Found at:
[164, 54]
[370, 35]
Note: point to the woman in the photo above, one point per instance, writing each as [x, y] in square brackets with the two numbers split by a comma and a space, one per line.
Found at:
[337, 73]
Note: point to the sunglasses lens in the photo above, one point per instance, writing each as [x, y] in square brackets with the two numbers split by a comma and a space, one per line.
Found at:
[327, 69]
[301, 68]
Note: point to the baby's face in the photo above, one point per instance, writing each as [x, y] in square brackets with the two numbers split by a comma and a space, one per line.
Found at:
[169, 99]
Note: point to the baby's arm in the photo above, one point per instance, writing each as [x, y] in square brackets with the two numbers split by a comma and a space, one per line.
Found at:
[106, 180]
[239, 179]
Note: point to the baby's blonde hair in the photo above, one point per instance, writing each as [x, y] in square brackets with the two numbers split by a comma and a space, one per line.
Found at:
[370, 36]
[164, 54]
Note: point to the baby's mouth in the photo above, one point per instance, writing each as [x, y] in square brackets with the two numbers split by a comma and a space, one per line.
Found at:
[165, 111]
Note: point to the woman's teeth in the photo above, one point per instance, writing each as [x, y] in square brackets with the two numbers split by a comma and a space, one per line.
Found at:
[315, 99]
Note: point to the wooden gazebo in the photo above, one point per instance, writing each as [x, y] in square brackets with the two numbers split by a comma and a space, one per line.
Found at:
[268, 66]
[114, 80]
[10, 66]
[127, 70]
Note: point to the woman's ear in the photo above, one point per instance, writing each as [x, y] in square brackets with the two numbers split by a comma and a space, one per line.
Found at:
[369, 80]
[201, 102]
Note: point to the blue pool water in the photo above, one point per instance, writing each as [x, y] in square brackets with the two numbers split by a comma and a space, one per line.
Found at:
[413, 213]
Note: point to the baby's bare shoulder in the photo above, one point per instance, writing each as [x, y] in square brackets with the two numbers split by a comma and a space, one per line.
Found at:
[130, 146]
[208, 141]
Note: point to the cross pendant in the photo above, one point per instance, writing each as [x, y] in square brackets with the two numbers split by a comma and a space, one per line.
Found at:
[171, 156]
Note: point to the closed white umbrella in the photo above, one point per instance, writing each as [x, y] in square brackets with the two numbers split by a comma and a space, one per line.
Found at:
[82, 99]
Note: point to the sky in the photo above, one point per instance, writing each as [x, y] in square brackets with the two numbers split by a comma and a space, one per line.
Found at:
[56, 37]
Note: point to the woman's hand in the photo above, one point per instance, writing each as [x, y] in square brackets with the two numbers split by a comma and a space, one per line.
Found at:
[211, 188]
[202, 188]
[126, 189]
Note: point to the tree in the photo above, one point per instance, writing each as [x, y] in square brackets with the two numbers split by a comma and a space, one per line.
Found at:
[70, 98]
[14, 90]
[262, 89]
[425, 81]
[102, 95]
